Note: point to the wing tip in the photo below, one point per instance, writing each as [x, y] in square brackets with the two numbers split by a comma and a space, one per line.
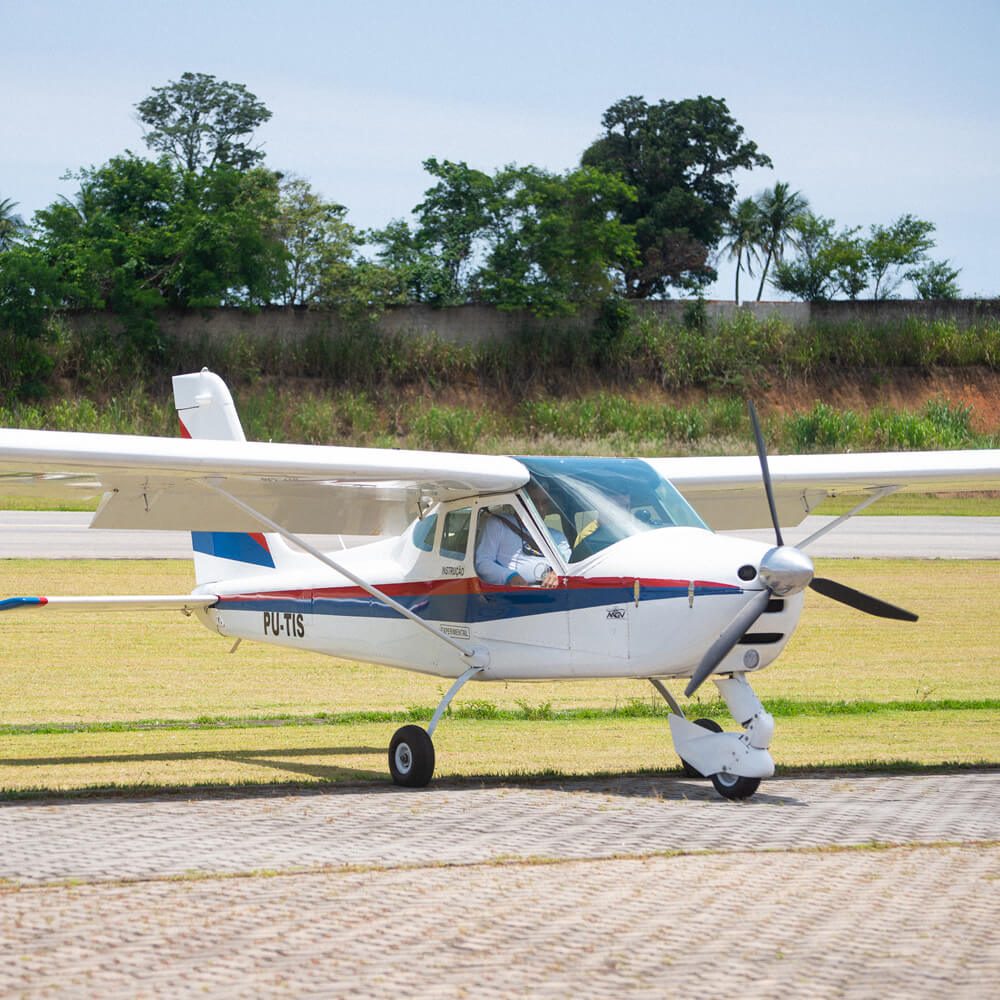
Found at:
[13, 603]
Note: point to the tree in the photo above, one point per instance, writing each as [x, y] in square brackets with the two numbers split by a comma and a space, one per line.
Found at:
[679, 157]
[554, 238]
[891, 248]
[11, 224]
[779, 209]
[521, 238]
[142, 234]
[742, 237]
[810, 275]
[846, 258]
[320, 245]
[935, 280]
[439, 257]
[202, 123]
[844, 261]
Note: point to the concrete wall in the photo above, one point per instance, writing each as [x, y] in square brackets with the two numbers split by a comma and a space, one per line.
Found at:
[476, 324]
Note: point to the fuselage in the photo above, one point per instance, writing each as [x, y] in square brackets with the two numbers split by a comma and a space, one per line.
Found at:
[644, 606]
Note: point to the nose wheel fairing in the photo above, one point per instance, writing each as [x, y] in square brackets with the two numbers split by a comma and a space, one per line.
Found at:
[739, 755]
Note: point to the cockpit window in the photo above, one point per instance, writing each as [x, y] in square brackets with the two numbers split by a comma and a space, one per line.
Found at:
[600, 501]
[423, 533]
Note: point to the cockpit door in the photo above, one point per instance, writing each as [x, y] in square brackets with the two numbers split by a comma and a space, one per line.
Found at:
[524, 615]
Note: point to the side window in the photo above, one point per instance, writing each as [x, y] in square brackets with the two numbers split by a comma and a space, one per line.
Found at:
[455, 535]
[423, 533]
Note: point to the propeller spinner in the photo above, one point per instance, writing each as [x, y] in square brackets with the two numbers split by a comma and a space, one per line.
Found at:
[784, 570]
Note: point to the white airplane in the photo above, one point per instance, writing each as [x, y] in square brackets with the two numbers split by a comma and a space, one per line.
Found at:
[624, 578]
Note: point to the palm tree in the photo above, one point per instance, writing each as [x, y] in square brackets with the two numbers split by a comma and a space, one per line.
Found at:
[743, 237]
[10, 224]
[779, 209]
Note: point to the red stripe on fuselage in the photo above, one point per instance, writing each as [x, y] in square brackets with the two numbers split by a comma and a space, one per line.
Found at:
[473, 585]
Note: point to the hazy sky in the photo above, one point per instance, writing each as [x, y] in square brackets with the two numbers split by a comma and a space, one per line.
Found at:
[871, 109]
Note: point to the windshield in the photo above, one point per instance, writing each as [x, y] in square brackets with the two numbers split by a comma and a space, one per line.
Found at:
[596, 502]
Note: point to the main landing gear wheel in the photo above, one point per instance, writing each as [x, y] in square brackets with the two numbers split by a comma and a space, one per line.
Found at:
[713, 727]
[732, 786]
[411, 757]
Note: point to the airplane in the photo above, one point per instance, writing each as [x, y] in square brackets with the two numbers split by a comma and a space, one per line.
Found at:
[633, 583]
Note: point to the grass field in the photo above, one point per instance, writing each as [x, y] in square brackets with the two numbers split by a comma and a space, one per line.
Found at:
[118, 674]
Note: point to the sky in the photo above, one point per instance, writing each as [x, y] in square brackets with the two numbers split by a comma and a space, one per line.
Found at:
[870, 109]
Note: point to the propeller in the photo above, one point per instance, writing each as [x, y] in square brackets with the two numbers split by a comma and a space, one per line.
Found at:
[784, 570]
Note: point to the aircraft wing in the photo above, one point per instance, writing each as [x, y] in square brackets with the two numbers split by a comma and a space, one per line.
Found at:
[162, 483]
[729, 493]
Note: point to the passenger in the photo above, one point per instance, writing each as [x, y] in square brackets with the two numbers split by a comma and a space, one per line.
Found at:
[506, 553]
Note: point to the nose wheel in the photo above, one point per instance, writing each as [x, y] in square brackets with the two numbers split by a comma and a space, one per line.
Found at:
[732, 786]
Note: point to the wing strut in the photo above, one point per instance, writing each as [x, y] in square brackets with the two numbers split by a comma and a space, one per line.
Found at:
[882, 491]
[477, 656]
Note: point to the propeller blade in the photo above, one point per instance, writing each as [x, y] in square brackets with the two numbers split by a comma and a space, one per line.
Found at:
[731, 635]
[862, 602]
[764, 470]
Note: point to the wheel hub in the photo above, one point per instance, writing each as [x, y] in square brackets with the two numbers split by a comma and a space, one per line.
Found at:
[404, 759]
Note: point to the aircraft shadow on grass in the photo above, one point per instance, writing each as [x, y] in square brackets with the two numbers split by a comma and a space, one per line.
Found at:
[336, 778]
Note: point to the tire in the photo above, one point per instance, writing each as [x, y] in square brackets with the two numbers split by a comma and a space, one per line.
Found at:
[713, 727]
[732, 786]
[411, 757]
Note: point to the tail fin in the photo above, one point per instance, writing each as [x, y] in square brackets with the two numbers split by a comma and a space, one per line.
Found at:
[206, 410]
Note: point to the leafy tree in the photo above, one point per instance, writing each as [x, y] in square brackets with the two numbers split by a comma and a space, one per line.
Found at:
[844, 261]
[11, 224]
[320, 245]
[142, 234]
[521, 238]
[438, 259]
[935, 280]
[810, 275]
[554, 238]
[847, 260]
[415, 271]
[742, 237]
[779, 208]
[29, 291]
[891, 248]
[679, 157]
[202, 123]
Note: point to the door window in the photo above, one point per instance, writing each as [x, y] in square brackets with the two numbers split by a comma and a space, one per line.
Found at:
[455, 534]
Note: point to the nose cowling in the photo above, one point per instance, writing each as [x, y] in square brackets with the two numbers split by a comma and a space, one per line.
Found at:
[785, 570]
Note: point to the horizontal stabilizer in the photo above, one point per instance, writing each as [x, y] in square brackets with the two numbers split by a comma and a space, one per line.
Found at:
[143, 602]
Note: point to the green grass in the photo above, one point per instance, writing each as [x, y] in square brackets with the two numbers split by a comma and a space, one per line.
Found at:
[94, 699]
[479, 748]
[782, 708]
[916, 505]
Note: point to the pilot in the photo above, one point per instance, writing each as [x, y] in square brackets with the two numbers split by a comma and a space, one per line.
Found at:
[506, 553]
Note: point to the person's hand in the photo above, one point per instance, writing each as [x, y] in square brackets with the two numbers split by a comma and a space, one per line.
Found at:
[550, 579]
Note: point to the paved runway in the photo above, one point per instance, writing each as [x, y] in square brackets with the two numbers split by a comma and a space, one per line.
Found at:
[64, 535]
[848, 885]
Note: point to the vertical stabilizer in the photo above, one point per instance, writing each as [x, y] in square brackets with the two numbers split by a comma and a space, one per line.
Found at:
[206, 411]
[205, 408]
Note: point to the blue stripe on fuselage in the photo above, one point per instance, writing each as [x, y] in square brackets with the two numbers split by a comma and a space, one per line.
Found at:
[490, 605]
